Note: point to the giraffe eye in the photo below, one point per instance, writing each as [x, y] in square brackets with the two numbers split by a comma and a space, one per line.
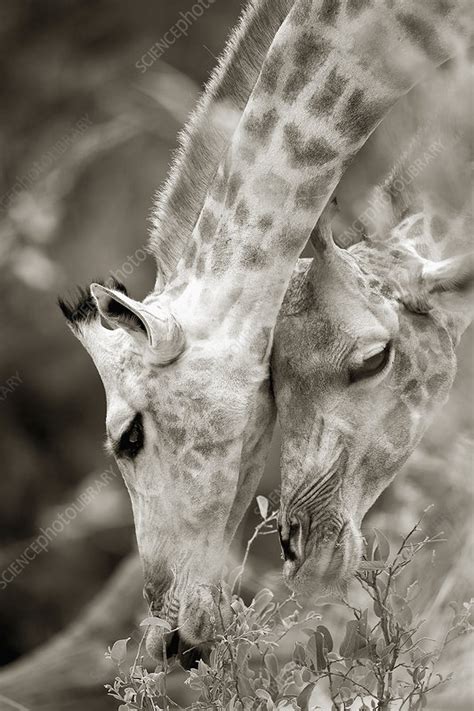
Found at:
[131, 442]
[371, 366]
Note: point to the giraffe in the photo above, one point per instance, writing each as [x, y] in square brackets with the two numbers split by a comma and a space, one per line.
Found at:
[186, 370]
[363, 358]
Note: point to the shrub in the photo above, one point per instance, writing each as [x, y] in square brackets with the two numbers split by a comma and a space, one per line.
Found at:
[382, 659]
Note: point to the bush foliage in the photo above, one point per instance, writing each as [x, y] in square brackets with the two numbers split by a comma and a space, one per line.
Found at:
[382, 659]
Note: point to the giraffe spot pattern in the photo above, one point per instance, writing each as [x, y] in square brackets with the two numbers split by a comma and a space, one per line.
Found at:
[397, 425]
[311, 191]
[190, 254]
[329, 11]
[360, 116]
[402, 365]
[324, 100]
[303, 153]
[242, 213]
[265, 223]
[222, 252]
[421, 33]
[289, 242]
[218, 187]
[301, 12]
[295, 83]
[200, 265]
[354, 7]
[261, 127]
[253, 257]
[207, 225]
[271, 70]
[309, 52]
[437, 382]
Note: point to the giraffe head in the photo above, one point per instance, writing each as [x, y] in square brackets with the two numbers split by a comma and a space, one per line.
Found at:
[363, 355]
[176, 423]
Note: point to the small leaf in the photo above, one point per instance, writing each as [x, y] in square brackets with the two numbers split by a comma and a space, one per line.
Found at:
[272, 665]
[305, 696]
[262, 600]
[299, 654]
[263, 504]
[382, 551]
[119, 650]
[155, 622]
[328, 643]
[348, 644]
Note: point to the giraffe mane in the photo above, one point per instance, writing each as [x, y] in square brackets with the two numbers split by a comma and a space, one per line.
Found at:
[201, 143]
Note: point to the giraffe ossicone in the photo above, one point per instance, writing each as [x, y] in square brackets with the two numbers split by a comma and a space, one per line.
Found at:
[190, 427]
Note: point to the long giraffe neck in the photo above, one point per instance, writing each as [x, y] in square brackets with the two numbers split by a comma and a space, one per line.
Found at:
[208, 132]
[316, 101]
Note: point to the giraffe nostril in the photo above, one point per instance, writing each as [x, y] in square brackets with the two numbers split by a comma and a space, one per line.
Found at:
[292, 540]
[173, 644]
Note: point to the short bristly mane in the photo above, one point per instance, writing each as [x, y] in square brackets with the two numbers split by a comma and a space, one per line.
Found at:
[207, 133]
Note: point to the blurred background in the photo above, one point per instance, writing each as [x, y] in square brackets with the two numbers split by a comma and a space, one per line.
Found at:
[87, 132]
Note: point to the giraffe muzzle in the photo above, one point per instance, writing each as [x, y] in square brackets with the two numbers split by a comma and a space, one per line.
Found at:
[318, 557]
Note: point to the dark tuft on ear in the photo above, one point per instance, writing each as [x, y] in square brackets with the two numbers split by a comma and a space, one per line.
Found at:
[81, 307]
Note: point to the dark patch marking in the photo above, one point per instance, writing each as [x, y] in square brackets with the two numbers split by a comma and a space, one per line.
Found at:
[397, 425]
[422, 33]
[207, 226]
[310, 51]
[436, 383]
[360, 116]
[261, 127]
[301, 12]
[271, 70]
[329, 11]
[325, 99]
[314, 151]
[242, 213]
[295, 83]
[221, 254]
[265, 223]
[354, 7]
[253, 257]
[309, 193]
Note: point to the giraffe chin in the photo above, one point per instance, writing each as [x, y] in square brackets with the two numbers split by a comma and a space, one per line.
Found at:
[326, 567]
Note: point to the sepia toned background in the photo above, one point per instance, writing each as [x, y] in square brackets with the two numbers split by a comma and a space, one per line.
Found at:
[86, 136]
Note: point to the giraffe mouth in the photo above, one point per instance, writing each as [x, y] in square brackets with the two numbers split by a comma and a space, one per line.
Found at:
[202, 613]
[320, 559]
[172, 644]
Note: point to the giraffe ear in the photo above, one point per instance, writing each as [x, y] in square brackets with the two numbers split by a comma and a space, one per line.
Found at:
[147, 324]
[454, 275]
[453, 278]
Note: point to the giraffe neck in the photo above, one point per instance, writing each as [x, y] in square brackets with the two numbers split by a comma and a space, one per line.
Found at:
[207, 134]
[315, 103]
